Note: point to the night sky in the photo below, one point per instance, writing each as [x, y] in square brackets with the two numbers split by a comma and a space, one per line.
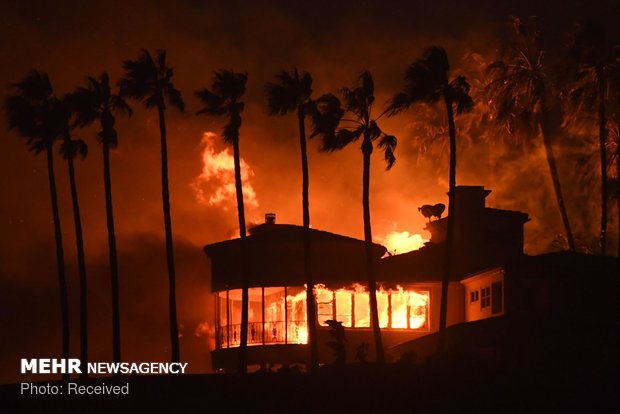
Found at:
[334, 41]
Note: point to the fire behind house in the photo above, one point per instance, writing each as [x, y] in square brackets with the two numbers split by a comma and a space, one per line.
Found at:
[488, 247]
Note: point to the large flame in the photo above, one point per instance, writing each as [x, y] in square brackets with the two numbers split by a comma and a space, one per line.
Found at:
[215, 186]
[402, 242]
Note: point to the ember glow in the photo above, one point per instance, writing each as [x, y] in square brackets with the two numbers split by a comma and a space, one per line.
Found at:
[278, 314]
[402, 242]
[215, 186]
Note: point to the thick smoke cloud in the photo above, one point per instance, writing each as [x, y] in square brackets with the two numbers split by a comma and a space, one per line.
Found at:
[334, 41]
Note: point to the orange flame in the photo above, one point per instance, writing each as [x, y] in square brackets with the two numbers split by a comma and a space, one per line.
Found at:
[215, 186]
[402, 242]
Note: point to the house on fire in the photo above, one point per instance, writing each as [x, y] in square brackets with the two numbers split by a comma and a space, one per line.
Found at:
[490, 278]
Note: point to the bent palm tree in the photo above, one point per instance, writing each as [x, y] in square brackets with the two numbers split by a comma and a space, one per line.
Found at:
[427, 81]
[149, 81]
[358, 102]
[224, 100]
[31, 112]
[292, 92]
[97, 102]
[519, 95]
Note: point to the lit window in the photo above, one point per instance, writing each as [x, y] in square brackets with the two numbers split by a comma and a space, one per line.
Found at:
[325, 305]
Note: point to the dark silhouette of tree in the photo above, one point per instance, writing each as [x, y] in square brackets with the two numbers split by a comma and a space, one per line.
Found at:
[96, 102]
[427, 81]
[592, 62]
[32, 112]
[520, 92]
[358, 102]
[69, 149]
[224, 100]
[149, 81]
[292, 92]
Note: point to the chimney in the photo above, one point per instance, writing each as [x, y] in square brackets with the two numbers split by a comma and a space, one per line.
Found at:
[270, 218]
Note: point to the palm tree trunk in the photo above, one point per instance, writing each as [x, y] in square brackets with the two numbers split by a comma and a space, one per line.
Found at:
[60, 259]
[310, 300]
[555, 178]
[447, 266]
[165, 195]
[79, 242]
[602, 121]
[243, 345]
[370, 265]
[116, 330]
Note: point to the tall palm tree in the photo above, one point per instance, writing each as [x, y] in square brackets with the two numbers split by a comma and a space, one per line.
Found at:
[292, 92]
[69, 149]
[427, 81]
[149, 80]
[31, 111]
[520, 92]
[358, 102]
[592, 64]
[92, 103]
[224, 100]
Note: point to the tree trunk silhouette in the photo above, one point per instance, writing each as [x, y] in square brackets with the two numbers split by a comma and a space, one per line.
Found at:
[60, 259]
[602, 133]
[370, 268]
[165, 195]
[448, 259]
[116, 330]
[79, 244]
[243, 345]
[310, 301]
[555, 177]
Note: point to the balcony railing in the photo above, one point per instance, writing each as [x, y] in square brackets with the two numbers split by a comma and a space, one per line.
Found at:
[260, 333]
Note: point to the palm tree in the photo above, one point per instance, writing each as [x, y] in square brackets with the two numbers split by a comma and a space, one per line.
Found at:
[358, 103]
[31, 111]
[292, 92]
[224, 100]
[150, 81]
[69, 149]
[97, 102]
[593, 63]
[520, 92]
[427, 81]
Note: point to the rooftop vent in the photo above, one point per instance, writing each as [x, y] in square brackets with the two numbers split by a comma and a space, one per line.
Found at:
[270, 218]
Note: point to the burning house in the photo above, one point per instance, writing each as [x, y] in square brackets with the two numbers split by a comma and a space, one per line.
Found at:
[409, 284]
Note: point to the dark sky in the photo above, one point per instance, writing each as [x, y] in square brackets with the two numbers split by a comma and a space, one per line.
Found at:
[333, 40]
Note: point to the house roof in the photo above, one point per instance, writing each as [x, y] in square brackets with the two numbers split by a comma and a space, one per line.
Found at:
[275, 257]
[423, 265]
[287, 233]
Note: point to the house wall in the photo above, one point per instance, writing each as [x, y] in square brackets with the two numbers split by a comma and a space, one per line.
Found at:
[484, 295]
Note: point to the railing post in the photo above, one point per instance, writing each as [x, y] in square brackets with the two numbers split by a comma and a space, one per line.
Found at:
[227, 319]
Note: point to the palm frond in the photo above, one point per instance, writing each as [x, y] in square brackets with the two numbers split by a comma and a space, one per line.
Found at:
[399, 103]
[71, 148]
[388, 144]
[341, 138]
[325, 114]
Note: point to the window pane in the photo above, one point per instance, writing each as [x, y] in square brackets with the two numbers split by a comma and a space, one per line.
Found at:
[399, 309]
[324, 301]
[274, 315]
[343, 307]
[297, 331]
[362, 310]
[382, 306]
